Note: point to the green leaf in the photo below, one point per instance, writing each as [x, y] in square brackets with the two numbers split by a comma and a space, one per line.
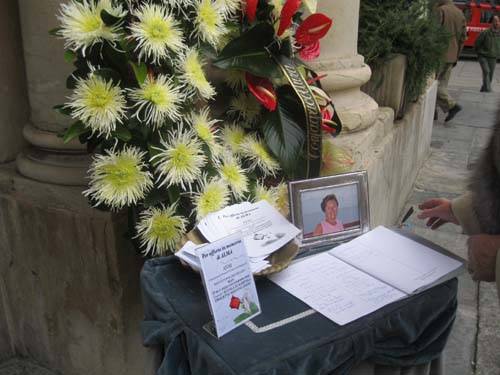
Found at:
[248, 52]
[282, 132]
[109, 74]
[55, 31]
[62, 109]
[69, 56]
[140, 71]
[108, 18]
[122, 133]
[74, 131]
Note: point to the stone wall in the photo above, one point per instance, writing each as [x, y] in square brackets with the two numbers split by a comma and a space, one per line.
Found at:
[392, 153]
[69, 282]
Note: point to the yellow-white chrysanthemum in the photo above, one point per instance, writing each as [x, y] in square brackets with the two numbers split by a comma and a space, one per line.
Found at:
[119, 178]
[213, 195]
[235, 79]
[281, 195]
[158, 35]
[245, 107]
[180, 159]
[257, 153]
[160, 230]
[193, 76]
[228, 8]
[233, 137]
[231, 171]
[157, 100]
[206, 130]
[82, 26]
[262, 193]
[209, 22]
[98, 103]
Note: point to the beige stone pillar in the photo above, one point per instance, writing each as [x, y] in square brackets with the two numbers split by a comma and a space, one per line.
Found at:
[345, 68]
[47, 159]
[14, 109]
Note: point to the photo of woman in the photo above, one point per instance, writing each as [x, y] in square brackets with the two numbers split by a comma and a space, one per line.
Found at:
[329, 210]
[330, 224]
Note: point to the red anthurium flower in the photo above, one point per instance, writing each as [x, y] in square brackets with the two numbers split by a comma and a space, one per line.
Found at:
[313, 28]
[263, 90]
[251, 9]
[310, 51]
[287, 12]
[234, 303]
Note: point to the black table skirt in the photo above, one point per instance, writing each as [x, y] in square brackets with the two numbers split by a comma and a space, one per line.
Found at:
[409, 332]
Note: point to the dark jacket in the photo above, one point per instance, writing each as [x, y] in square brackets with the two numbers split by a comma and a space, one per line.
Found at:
[454, 22]
[488, 44]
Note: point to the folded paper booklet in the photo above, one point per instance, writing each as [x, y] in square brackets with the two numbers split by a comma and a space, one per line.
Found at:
[367, 273]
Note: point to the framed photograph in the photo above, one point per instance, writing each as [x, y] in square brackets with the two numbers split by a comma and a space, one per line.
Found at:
[330, 209]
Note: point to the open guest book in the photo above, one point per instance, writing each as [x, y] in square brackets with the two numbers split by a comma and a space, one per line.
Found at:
[367, 273]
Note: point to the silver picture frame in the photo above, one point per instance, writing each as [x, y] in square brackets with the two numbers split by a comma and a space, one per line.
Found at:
[308, 202]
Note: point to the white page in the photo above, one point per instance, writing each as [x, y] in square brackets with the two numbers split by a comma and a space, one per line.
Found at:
[263, 228]
[395, 259]
[335, 289]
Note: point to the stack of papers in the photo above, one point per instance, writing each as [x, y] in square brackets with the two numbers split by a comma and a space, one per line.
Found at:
[263, 229]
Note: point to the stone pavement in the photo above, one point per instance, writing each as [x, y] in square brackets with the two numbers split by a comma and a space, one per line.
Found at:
[474, 346]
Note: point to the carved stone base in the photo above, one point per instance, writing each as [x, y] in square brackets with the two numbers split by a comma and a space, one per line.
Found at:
[344, 77]
[51, 160]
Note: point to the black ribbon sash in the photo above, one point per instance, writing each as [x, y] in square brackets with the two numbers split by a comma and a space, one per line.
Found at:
[313, 117]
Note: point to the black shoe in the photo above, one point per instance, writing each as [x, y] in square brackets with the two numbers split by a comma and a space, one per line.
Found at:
[452, 112]
[482, 89]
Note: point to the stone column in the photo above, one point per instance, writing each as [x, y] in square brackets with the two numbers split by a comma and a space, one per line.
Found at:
[345, 68]
[14, 109]
[47, 159]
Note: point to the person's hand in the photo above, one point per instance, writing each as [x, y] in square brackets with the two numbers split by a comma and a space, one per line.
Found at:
[483, 252]
[438, 212]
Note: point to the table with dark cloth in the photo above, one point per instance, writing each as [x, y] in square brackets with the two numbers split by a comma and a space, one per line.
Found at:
[409, 332]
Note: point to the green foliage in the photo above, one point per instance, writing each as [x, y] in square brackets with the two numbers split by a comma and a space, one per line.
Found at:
[399, 26]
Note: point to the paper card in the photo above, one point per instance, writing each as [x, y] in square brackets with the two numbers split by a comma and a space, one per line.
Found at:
[229, 283]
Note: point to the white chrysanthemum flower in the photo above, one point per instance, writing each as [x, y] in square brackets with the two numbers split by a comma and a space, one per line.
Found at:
[180, 159]
[212, 196]
[209, 22]
[229, 7]
[235, 79]
[98, 103]
[82, 26]
[231, 171]
[245, 107]
[119, 178]
[281, 195]
[256, 151]
[262, 193]
[158, 99]
[205, 129]
[158, 35]
[193, 76]
[233, 137]
[160, 230]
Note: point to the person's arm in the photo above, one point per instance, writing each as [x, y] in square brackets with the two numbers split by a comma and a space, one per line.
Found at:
[479, 41]
[464, 213]
[483, 256]
[318, 231]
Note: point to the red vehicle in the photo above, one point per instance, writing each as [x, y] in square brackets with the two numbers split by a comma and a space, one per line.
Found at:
[478, 16]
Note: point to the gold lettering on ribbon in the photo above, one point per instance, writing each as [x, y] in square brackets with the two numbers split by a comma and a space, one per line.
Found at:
[312, 112]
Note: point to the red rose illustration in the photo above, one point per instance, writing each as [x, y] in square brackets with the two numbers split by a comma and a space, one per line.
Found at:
[235, 303]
